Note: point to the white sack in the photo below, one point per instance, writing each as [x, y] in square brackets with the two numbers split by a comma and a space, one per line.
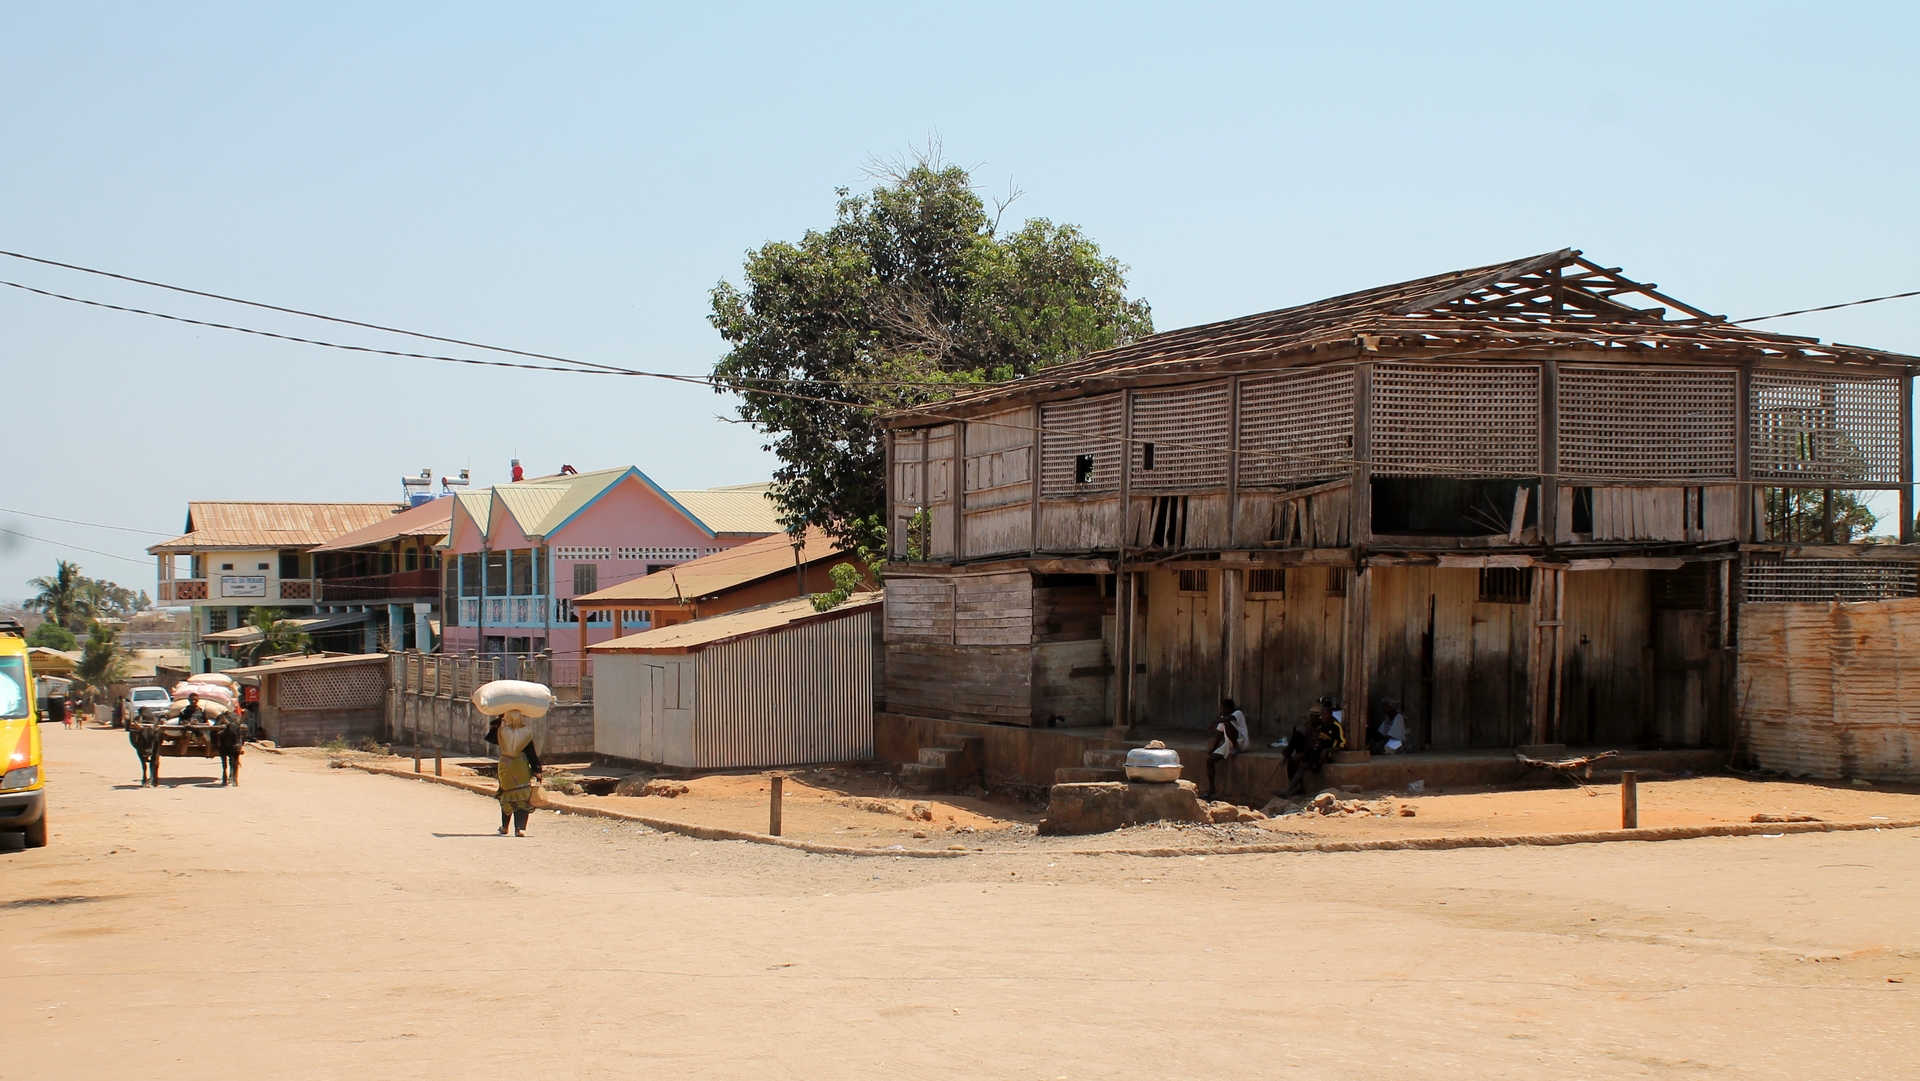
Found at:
[505, 695]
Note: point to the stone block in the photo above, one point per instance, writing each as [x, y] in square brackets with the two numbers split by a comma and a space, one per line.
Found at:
[1103, 806]
[1084, 774]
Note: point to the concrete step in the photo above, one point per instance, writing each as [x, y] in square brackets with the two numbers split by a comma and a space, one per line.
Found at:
[922, 777]
[1105, 759]
[1086, 774]
[938, 756]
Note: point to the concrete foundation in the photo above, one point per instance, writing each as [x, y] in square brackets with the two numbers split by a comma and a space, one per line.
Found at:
[1104, 806]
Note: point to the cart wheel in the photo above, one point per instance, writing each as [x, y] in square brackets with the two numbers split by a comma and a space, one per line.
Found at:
[37, 833]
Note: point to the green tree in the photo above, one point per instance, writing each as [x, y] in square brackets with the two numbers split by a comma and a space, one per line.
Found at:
[278, 634]
[103, 662]
[912, 292]
[1800, 514]
[52, 635]
[64, 596]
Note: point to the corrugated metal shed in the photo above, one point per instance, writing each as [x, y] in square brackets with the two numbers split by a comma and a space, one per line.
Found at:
[779, 685]
[272, 525]
[1833, 690]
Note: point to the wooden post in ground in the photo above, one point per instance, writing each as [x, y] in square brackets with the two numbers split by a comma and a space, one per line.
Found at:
[1629, 800]
[776, 792]
[439, 768]
[416, 752]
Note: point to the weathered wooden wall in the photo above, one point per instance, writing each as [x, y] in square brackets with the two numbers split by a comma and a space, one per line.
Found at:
[1681, 514]
[961, 646]
[1607, 662]
[1290, 651]
[1832, 690]
[1457, 664]
[1314, 518]
[997, 484]
[1181, 648]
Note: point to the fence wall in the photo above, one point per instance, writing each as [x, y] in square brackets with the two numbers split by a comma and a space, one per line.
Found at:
[431, 694]
[1832, 690]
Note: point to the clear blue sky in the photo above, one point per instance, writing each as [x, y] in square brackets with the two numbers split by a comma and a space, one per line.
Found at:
[574, 179]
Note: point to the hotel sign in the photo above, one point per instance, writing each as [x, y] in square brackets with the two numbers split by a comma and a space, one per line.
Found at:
[243, 586]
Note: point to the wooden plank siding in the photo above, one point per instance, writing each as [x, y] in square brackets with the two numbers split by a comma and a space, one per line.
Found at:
[997, 484]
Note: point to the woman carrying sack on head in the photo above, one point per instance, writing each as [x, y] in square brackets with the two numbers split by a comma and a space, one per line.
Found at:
[510, 703]
[519, 765]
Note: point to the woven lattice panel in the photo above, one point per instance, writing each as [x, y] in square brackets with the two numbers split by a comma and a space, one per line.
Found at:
[1090, 426]
[1296, 428]
[1189, 430]
[1456, 419]
[1825, 580]
[1813, 427]
[1621, 423]
[355, 686]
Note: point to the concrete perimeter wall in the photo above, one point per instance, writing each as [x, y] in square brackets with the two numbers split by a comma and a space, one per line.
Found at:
[453, 724]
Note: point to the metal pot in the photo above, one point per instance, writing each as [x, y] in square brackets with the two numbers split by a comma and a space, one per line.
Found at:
[1157, 764]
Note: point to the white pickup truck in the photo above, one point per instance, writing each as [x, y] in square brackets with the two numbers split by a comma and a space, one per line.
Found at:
[147, 701]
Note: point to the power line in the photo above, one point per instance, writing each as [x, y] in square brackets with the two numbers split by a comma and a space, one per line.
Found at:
[742, 386]
[588, 364]
[1830, 307]
[75, 547]
[75, 521]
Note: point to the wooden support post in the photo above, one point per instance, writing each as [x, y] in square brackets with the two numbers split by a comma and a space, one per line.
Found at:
[620, 626]
[1743, 502]
[1906, 458]
[1629, 800]
[1124, 587]
[776, 793]
[1354, 695]
[1232, 590]
[582, 614]
[439, 762]
[416, 751]
[1547, 507]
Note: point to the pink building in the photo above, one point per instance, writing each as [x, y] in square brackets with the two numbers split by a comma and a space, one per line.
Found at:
[517, 554]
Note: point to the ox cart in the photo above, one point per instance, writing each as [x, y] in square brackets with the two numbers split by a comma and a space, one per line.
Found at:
[157, 739]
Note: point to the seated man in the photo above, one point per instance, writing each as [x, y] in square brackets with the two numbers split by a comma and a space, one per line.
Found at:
[1390, 735]
[1308, 750]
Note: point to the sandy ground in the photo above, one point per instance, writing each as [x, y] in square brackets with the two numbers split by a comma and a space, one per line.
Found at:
[319, 923]
[865, 809]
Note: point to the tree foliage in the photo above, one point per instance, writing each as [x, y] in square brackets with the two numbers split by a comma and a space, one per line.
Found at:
[912, 292]
[278, 634]
[52, 635]
[73, 600]
[103, 662]
[1800, 514]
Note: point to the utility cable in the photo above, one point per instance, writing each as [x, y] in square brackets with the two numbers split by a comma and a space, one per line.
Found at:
[75, 547]
[75, 521]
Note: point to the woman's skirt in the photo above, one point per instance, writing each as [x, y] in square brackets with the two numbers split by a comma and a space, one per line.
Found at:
[516, 783]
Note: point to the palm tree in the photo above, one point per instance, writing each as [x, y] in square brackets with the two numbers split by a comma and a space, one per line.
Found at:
[64, 596]
[102, 663]
[278, 634]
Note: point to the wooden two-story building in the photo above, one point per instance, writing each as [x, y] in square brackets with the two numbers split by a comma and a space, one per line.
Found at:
[1525, 500]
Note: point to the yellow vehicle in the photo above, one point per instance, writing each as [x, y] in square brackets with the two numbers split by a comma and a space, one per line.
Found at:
[23, 780]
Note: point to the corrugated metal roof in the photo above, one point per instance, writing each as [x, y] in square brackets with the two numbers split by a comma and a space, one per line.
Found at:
[272, 525]
[695, 635]
[425, 520]
[531, 504]
[298, 663]
[247, 635]
[736, 509]
[718, 573]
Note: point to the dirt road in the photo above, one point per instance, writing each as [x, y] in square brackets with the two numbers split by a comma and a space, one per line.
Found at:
[319, 923]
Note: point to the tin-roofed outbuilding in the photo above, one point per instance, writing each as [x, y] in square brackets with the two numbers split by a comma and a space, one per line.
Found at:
[777, 685]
